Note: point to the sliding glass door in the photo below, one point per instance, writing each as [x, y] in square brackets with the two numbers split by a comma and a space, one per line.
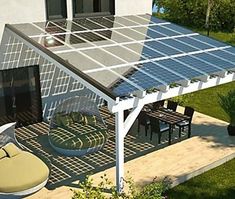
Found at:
[20, 96]
[93, 7]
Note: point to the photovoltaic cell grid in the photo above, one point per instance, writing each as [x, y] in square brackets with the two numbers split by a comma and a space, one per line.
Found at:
[63, 168]
[132, 53]
[54, 81]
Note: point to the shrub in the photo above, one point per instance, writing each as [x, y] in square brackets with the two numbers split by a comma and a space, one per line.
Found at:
[154, 190]
[227, 102]
[183, 99]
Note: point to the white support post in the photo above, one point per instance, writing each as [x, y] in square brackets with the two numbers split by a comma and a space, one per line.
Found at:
[69, 10]
[119, 129]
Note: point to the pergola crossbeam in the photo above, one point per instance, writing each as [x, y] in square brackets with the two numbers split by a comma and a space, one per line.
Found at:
[173, 92]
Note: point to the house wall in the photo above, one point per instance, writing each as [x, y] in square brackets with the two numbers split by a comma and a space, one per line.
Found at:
[23, 11]
[130, 7]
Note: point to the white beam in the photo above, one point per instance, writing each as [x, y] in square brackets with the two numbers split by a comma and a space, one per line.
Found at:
[119, 129]
[62, 67]
[173, 92]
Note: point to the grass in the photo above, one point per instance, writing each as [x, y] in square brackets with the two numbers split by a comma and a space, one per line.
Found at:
[206, 101]
[217, 183]
[222, 36]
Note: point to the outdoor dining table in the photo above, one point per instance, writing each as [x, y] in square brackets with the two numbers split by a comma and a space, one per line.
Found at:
[168, 116]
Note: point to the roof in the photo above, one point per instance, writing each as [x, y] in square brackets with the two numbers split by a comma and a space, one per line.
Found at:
[132, 54]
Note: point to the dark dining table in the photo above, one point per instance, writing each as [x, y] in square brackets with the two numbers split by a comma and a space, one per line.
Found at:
[168, 116]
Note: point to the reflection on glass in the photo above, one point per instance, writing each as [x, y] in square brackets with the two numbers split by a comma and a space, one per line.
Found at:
[82, 7]
[20, 98]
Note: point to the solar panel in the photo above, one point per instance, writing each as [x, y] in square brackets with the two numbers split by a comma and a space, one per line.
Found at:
[160, 47]
[180, 46]
[178, 28]
[198, 64]
[131, 53]
[216, 61]
[163, 31]
[195, 43]
[104, 22]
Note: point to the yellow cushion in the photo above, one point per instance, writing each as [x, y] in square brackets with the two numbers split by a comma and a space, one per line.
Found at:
[3, 154]
[11, 149]
[22, 172]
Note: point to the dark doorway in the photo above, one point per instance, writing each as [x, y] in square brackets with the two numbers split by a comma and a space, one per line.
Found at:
[93, 7]
[56, 9]
[20, 96]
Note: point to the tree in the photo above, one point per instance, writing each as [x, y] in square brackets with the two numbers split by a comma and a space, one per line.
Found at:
[207, 24]
[217, 15]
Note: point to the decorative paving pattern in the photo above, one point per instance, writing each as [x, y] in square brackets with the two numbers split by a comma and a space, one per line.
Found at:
[73, 165]
[68, 169]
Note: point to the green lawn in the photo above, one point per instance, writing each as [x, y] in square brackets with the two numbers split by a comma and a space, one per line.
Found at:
[218, 183]
[206, 101]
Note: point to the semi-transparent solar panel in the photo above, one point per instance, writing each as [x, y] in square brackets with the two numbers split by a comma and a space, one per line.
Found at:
[130, 53]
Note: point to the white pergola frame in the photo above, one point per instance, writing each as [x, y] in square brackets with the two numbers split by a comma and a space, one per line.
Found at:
[118, 106]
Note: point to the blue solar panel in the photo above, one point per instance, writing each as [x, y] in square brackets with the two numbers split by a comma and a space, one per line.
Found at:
[200, 65]
[178, 28]
[225, 55]
[210, 41]
[180, 68]
[164, 31]
[195, 43]
[153, 19]
[160, 73]
[180, 46]
[231, 50]
[215, 61]
[162, 48]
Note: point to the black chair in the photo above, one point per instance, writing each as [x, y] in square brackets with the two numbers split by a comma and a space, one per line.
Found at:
[126, 113]
[143, 119]
[157, 105]
[157, 127]
[188, 111]
[171, 105]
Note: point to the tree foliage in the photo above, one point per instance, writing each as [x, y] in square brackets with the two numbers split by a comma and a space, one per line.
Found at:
[193, 13]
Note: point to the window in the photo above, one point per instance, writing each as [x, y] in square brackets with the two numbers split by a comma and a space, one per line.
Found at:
[93, 7]
[56, 9]
[20, 96]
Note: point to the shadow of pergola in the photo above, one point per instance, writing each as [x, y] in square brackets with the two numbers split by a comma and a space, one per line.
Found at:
[66, 170]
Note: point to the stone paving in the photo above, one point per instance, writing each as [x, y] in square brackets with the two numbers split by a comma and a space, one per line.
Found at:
[208, 147]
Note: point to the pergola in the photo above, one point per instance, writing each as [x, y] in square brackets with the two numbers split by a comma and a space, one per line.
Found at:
[128, 61]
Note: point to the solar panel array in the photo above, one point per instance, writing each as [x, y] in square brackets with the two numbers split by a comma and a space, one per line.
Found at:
[133, 53]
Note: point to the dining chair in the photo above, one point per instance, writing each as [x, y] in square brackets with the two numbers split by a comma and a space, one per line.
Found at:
[143, 119]
[126, 113]
[171, 105]
[159, 128]
[188, 111]
[157, 105]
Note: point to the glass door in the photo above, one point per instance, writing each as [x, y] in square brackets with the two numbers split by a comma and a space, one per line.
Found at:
[20, 96]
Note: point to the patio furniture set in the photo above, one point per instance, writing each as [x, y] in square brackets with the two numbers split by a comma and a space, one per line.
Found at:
[161, 119]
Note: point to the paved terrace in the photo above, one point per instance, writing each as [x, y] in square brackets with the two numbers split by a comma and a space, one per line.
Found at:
[209, 147]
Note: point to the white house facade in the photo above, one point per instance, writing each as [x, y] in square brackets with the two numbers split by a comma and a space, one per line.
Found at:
[25, 11]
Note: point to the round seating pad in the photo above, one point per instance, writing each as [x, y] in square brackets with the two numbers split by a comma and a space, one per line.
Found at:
[21, 172]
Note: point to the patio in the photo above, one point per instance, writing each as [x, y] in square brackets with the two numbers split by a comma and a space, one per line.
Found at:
[184, 159]
[140, 60]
